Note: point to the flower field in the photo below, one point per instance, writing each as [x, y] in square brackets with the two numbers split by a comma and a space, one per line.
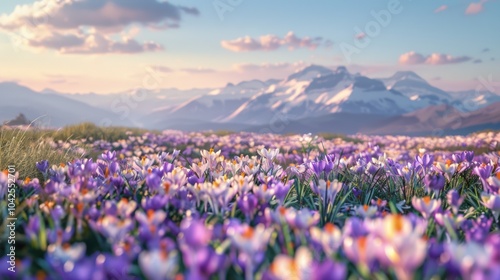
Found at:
[181, 205]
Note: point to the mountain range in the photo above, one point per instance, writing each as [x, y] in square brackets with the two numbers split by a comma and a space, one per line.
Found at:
[313, 99]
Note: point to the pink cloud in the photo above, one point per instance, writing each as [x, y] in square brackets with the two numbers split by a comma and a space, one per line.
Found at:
[411, 58]
[475, 8]
[273, 42]
[92, 43]
[437, 59]
[248, 67]
[441, 9]
[100, 14]
[198, 70]
[360, 36]
[87, 26]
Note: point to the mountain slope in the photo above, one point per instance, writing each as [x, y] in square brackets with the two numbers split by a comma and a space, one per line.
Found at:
[50, 109]
[442, 119]
[315, 91]
[212, 107]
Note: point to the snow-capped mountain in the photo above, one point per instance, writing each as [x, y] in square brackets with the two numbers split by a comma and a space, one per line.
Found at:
[213, 106]
[417, 90]
[318, 91]
[424, 95]
[472, 100]
[312, 93]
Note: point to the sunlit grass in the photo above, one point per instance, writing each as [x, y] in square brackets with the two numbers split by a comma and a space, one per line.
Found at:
[24, 147]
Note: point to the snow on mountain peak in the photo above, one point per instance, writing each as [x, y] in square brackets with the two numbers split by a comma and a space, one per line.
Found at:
[310, 73]
[341, 69]
[407, 75]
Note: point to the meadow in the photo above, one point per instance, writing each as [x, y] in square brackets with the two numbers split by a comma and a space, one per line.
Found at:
[118, 203]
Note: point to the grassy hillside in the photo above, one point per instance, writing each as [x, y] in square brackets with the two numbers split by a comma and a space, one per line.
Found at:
[23, 148]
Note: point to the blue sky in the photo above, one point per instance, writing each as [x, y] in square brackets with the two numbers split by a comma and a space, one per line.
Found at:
[450, 43]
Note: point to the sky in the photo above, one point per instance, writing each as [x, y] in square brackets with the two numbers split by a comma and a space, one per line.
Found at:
[106, 46]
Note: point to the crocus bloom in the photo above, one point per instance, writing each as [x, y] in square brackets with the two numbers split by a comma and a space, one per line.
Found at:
[448, 168]
[395, 226]
[125, 207]
[362, 250]
[425, 161]
[301, 219]
[63, 253]
[494, 182]
[159, 264]
[268, 154]
[426, 206]
[298, 268]
[251, 243]
[250, 240]
[435, 181]
[477, 230]
[454, 200]
[402, 245]
[42, 166]
[448, 219]
[330, 238]
[469, 256]
[405, 255]
[492, 202]
[326, 189]
[483, 171]
[112, 227]
[366, 211]
[329, 270]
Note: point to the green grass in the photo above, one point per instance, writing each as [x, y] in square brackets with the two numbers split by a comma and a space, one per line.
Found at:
[90, 131]
[219, 133]
[23, 148]
[331, 136]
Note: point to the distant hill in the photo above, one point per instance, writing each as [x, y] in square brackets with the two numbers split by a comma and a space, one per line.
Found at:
[313, 99]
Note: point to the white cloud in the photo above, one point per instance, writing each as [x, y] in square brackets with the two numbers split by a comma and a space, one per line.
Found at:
[433, 59]
[87, 26]
[273, 42]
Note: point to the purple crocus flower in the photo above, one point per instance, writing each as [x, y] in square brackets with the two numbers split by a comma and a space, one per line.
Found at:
[167, 167]
[355, 227]
[116, 267]
[483, 171]
[425, 161]
[194, 180]
[329, 270]
[156, 202]
[329, 163]
[90, 167]
[114, 168]
[281, 190]
[153, 181]
[318, 167]
[32, 229]
[493, 241]
[477, 230]
[434, 181]
[93, 213]
[43, 166]
[454, 200]
[492, 202]
[57, 213]
[248, 204]
[426, 206]
[195, 233]
[84, 269]
[109, 156]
